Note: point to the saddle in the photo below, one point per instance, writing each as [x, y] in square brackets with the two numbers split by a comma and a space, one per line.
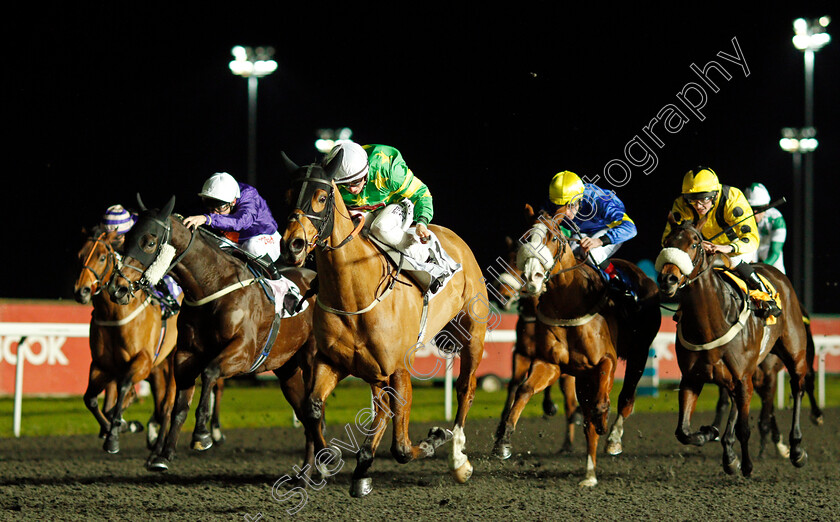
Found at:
[755, 296]
[433, 274]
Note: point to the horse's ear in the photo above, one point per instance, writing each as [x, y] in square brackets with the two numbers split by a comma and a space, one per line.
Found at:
[672, 219]
[529, 211]
[168, 208]
[288, 165]
[509, 242]
[332, 166]
[140, 203]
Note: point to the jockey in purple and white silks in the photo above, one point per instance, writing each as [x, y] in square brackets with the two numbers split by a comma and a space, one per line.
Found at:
[241, 214]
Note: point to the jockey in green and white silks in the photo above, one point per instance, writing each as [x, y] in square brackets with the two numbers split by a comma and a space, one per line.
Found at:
[772, 230]
[375, 178]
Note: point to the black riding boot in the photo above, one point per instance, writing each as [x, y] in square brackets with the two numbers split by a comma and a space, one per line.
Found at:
[755, 283]
[621, 291]
[266, 262]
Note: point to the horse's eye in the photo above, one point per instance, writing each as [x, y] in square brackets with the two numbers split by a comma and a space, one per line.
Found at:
[102, 258]
[322, 199]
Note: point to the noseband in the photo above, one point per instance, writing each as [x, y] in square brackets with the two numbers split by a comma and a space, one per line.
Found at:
[666, 256]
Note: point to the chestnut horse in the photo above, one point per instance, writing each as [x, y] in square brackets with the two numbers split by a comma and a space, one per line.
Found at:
[227, 322]
[719, 340]
[506, 290]
[580, 332]
[368, 321]
[128, 343]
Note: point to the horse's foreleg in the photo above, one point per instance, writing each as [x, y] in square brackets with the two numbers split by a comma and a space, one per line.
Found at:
[720, 408]
[540, 376]
[727, 440]
[201, 439]
[157, 382]
[96, 383]
[164, 452]
[767, 426]
[324, 378]
[362, 483]
[626, 399]
[518, 373]
[573, 415]
[689, 391]
[215, 420]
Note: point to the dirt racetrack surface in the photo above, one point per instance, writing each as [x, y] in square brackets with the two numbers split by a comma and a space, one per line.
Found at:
[656, 478]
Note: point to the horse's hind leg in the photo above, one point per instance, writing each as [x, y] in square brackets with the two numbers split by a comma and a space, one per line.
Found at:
[810, 354]
[540, 376]
[201, 438]
[636, 362]
[795, 363]
[765, 384]
[158, 383]
[399, 398]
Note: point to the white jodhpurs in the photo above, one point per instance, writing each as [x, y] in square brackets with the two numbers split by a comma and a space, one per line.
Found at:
[599, 254]
[263, 244]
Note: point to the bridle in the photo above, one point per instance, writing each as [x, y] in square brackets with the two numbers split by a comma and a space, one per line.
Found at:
[551, 267]
[325, 218]
[698, 261]
[112, 261]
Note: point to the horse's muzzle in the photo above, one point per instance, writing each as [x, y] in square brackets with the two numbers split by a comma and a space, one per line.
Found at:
[668, 283]
[82, 295]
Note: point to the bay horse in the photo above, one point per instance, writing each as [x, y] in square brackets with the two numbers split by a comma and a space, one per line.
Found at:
[580, 332]
[227, 325]
[368, 321]
[719, 340]
[128, 343]
[506, 289]
[765, 383]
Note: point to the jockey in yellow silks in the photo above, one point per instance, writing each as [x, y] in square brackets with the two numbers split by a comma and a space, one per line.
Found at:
[729, 225]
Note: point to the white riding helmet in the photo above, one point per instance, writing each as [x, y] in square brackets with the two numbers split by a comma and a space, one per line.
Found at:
[757, 195]
[354, 164]
[221, 186]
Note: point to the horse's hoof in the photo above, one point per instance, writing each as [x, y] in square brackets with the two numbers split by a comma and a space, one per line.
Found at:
[732, 466]
[218, 436]
[577, 418]
[439, 436]
[588, 482]
[800, 459]
[783, 449]
[361, 487]
[462, 474]
[112, 445]
[202, 442]
[550, 409]
[157, 464]
[614, 448]
[502, 451]
[135, 427]
[746, 469]
[816, 420]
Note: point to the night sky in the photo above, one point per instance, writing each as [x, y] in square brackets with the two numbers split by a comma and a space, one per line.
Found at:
[486, 105]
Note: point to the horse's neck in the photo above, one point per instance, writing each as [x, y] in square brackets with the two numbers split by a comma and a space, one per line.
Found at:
[106, 310]
[203, 270]
[343, 273]
[582, 281]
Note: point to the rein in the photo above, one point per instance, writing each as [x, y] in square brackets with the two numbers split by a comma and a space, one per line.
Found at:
[112, 260]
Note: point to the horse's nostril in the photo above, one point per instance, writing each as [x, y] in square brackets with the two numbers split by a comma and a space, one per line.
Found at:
[296, 245]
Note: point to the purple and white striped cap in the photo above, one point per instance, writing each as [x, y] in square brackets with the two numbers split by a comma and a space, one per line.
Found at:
[117, 218]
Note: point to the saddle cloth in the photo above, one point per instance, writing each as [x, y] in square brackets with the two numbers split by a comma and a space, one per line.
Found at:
[286, 297]
[438, 264]
[755, 295]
